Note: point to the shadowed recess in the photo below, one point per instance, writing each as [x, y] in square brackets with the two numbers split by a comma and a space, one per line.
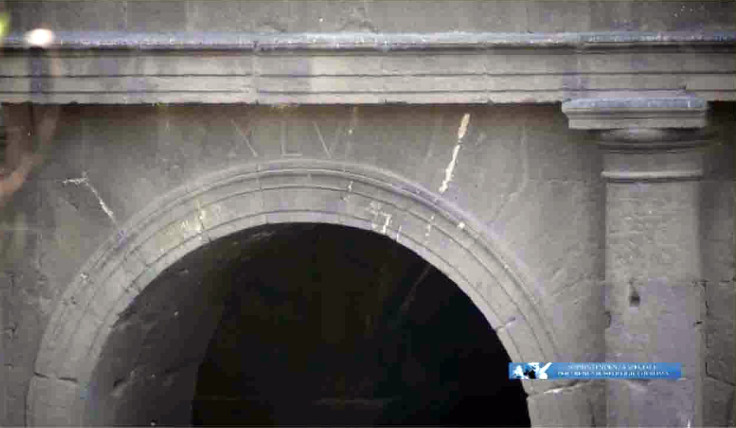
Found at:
[304, 324]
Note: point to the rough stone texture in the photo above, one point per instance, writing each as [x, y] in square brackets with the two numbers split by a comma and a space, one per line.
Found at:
[535, 177]
[169, 327]
[523, 203]
[654, 293]
[527, 186]
[284, 52]
[367, 68]
[717, 220]
[376, 16]
[585, 399]
[657, 295]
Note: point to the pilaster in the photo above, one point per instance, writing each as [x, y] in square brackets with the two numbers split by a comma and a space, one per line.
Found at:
[654, 298]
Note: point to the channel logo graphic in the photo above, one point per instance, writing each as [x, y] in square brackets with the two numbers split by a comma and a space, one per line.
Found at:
[535, 370]
[529, 370]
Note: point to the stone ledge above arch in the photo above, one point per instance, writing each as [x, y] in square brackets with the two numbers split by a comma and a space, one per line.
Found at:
[277, 192]
[369, 68]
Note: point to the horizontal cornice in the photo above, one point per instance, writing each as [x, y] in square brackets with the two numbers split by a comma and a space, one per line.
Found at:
[383, 42]
[367, 68]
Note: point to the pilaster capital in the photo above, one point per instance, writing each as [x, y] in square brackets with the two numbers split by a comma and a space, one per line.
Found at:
[636, 112]
[645, 139]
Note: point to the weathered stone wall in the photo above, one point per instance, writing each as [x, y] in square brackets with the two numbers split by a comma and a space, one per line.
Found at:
[532, 183]
[717, 229]
[424, 16]
[530, 180]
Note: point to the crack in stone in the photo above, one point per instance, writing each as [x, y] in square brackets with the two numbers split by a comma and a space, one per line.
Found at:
[717, 379]
[573, 384]
[521, 179]
[322, 140]
[119, 385]
[591, 409]
[65, 379]
[509, 322]
[245, 138]
[84, 181]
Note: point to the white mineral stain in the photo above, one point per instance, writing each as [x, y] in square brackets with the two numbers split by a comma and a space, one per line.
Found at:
[429, 227]
[449, 170]
[386, 223]
[462, 129]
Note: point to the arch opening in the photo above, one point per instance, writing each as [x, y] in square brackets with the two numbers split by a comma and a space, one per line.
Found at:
[273, 195]
[303, 323]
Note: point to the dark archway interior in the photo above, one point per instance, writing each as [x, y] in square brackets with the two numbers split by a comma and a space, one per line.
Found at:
[327, 325]
[303, 324]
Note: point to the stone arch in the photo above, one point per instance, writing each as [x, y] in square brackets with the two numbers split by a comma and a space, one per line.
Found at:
[285, 191]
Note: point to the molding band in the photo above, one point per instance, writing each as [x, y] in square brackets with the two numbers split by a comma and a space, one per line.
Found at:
[369, 41]
[636, 112]
[641, 140]
[367, 68]
[628, 176]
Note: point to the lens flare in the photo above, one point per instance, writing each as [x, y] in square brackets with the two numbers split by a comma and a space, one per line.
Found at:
[40, 37]
[4, 24]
